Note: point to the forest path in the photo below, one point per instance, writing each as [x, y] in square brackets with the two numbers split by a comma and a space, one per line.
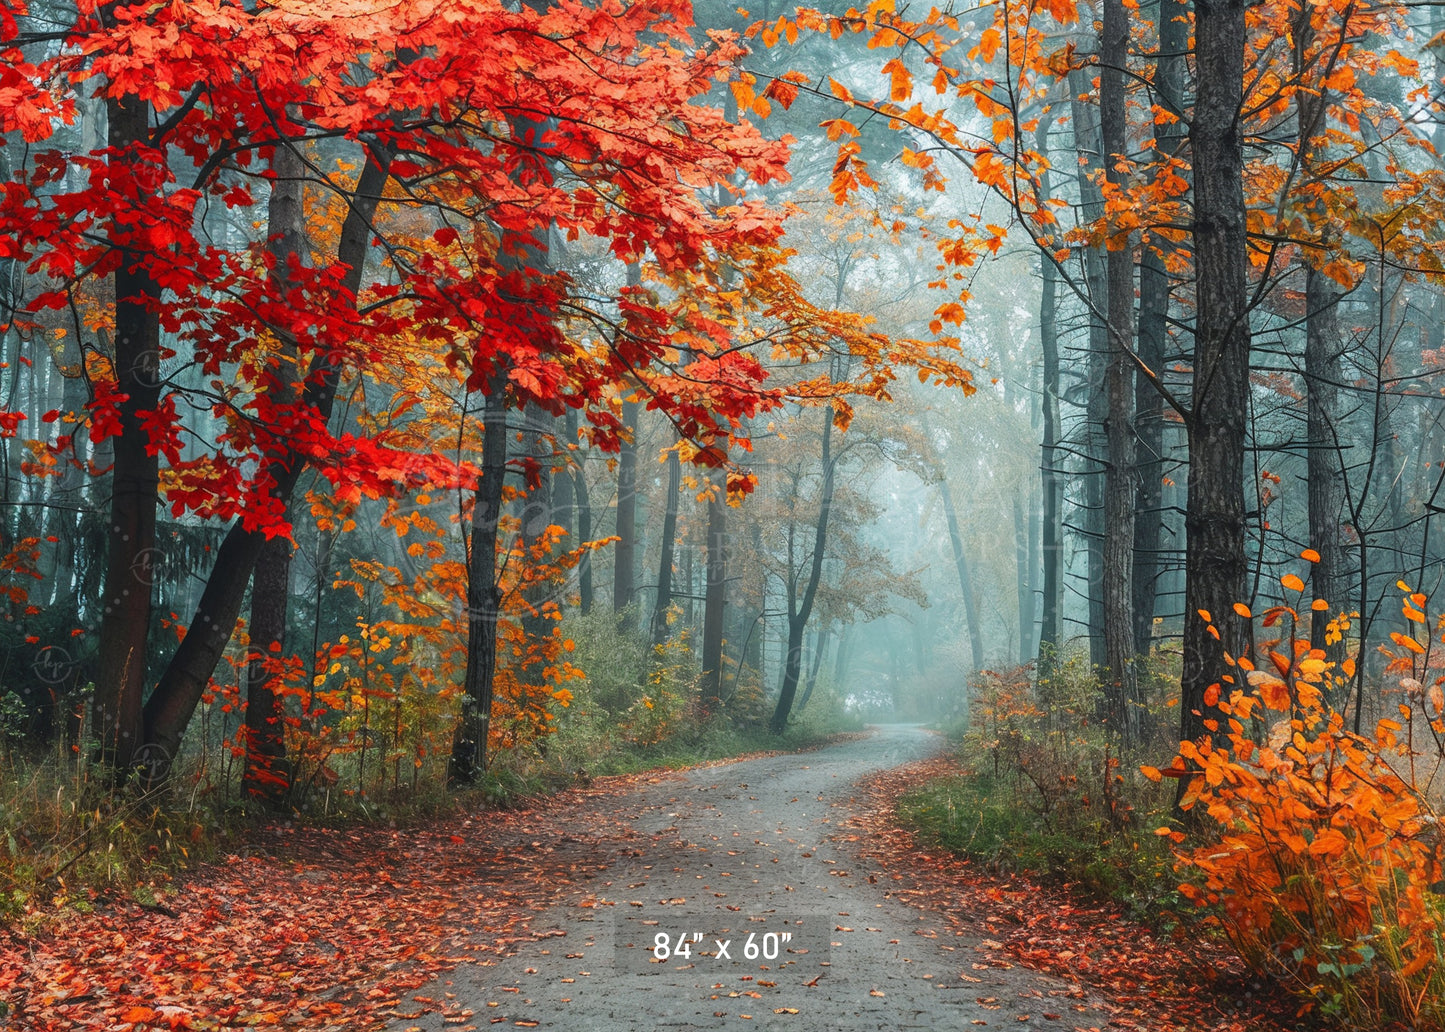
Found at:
[733, 849]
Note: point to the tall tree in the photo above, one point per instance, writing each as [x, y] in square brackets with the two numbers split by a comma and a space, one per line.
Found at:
[715, 593]
[125, 618]
[961, 566]
[1052, 531]
[1155, 289]
[267, 777]
[1215, 565]
[1119, 475]
[1094, 446]
[800, 603]
[624, 557]
[1324, 468]
[665, 562]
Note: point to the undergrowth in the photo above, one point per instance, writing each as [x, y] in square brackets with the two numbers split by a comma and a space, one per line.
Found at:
[1045, 792]
[1308, 829]
[69, 838]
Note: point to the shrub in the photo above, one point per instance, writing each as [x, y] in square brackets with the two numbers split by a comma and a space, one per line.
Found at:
[1327, 870]
[1044, 790]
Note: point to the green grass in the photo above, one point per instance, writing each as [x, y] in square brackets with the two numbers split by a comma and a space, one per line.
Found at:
[992, 822]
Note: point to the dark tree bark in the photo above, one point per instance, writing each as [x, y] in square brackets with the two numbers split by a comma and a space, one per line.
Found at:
[540, 446]
[753, 637]
[1120, 485]
[1323, 468]
[564, 491]
[1215, 564]
[484, 598]
[267, 777]
[668, 550]
[1088, 145]
[715, 595]
[801, 608]
[578, 479]
[625, 551]
[126, 597]
[1051, 535]
[174, 700]
[821, 638]
[1322, 372]
[1153, 338]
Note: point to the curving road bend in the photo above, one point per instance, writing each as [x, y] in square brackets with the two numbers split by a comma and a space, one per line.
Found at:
[728, 851]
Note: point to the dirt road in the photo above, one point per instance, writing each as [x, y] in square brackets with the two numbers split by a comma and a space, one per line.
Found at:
[716, 855]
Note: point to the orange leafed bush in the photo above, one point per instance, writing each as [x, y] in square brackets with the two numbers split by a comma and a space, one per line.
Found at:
[1327, 867]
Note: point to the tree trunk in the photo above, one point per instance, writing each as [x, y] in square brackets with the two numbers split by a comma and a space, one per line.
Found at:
[170, 706]
[1215, 565]
[625, 551]
[125, 619]
[820, 646]
[669, 546]
[965, 579]
[578, 477]
[540, 444]
[841, 655]
[484, 598]
[1052, 531]
[267, 777]
[1021, 577]
[1088, 145]
[1323, 468]
[715, 595]
[564, 492]
[1153, 338]
[798, 614]
[1119, 476]
[753, 639]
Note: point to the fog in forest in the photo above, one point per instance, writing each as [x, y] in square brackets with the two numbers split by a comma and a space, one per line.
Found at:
[414, 406]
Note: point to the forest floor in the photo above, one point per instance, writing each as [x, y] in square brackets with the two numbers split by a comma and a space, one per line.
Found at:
[546, 917]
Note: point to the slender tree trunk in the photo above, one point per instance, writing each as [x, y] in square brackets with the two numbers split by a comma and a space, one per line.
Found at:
[1089, 147]
[625, 551]
[125, 618]
[1154, 295]
[1052, 532]
[798, 614]
[170, 706]
[1215, 564]
[965, 578]
[539, 442]
[1120, 485]
[715, 595]
[820, 647]
[841, 655]
[753, 644]
[669, 546]
[578, 479]
[267, 777]
[564, 492]
[1323, 468]
[1021, 576]
[484, 597]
